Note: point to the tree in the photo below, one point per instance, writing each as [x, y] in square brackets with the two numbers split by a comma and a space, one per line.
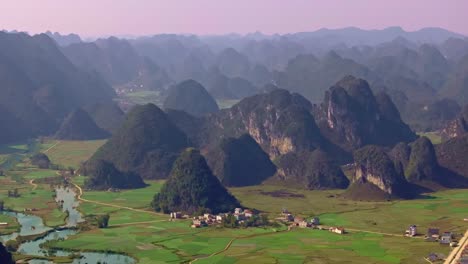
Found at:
[104, 175]
[103, 221]
[230, 221]
[192, 187]
[41, 160]
[264, 219]
[12, 245]
[13, 193]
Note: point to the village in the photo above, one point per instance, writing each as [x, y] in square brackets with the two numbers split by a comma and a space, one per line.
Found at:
[242, 216]
[433, 235]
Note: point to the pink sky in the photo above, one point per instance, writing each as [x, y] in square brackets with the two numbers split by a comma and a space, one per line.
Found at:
[140, 17]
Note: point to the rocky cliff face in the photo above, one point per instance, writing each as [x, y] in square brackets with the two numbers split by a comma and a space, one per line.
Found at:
[280, 122]
[282, 125]
[373, 167]
[456, 127]
[366, 174]
[351, 116]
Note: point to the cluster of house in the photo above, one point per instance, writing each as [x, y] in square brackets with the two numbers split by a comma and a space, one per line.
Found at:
[303, 223]
[209, 219]
[433, 235]
[446, 238]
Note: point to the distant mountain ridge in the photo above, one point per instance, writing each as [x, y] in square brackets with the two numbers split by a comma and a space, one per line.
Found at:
[356, 36]
[119, 63]
[39, 86]
[64, 40]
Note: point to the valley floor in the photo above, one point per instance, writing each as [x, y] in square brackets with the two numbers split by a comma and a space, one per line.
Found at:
[375, 230]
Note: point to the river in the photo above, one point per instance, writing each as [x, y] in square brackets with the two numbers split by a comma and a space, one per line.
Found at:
[34, 225]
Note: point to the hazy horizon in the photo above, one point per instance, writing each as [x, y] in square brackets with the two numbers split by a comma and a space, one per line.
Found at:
[209, 17]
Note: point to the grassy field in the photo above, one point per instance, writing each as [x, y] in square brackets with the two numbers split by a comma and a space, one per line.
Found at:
[34, 173]
[12, 226]
[226, 103]
[39, 196]
[144, 97]
[315, 246]
[139, 198]
[13, 148]
[444, 209]
[6, 150]
[71, 153]
[434, 137]
[374, 227]
[160, 241]
[41, 199]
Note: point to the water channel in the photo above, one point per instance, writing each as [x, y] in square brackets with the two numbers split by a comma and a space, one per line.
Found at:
[34, 225]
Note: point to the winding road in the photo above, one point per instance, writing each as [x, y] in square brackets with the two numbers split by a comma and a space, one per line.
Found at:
[216, 253]
[380, 233]
[34, 186]
[80, 193]
[137, 223]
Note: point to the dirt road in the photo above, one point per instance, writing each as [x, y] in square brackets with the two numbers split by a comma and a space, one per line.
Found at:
[51, 147]
[34, 186]
[80, 193]
[457, 251]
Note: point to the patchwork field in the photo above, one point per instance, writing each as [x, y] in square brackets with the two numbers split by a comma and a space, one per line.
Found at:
[39, 197]
[375, 229]
[445, 209]
[71, 153]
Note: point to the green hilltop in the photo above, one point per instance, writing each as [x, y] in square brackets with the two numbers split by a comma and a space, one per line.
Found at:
[192, 187]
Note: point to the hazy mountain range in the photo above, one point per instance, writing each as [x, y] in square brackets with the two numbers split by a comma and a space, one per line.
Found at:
[305, 105]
